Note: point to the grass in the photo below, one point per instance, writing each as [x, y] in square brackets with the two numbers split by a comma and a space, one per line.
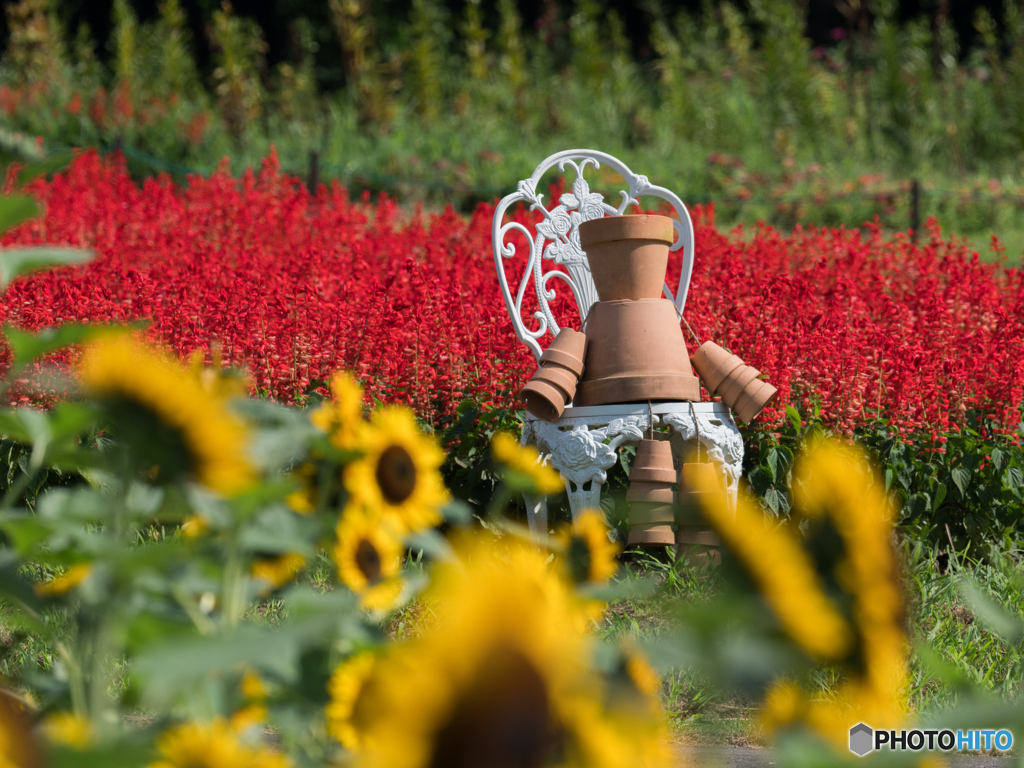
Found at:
[957, 652]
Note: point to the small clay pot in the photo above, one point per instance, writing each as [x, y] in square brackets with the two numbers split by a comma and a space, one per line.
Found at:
[736, 382]
[569, 350]
[545, 401]
[652, 492]
[694, 542]
[713, 364]
[628, 255]
[653, 463]
[554, 383]
[635, 352]
[650, 495]
[560, 377]
[753, 400]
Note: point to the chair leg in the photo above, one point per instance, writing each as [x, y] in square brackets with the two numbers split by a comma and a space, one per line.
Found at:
[582, 497]
[537, 514]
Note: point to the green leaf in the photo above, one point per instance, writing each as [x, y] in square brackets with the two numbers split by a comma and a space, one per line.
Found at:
[772, 499]
[15, 209]
[1014, 478]
[794, 417]
[49, 165]
[940, 496]
[18, 261]
[998, 458]
[992, 614]
[29, 346]
[889, 476]
[961, 478]
[772, 462]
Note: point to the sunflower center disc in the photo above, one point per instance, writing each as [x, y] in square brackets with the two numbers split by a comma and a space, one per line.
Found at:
[503, 719]
[368, 561]
[396, 474]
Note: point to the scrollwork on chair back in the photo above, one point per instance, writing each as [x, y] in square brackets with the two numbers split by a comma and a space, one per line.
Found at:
[557, 240]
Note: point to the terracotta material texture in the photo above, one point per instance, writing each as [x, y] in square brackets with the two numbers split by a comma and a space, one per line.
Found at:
[569, 350]
[713, 364]
[635, 352]
[753, 400]
[736, 382]
[628, 255]
[650, 495]
[554, 383]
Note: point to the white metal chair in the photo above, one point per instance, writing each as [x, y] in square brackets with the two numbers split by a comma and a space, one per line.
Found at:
[583, 444]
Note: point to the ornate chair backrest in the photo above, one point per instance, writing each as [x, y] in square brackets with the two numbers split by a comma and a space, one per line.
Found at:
[557, 240]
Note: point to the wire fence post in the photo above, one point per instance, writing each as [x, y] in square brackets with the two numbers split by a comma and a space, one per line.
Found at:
[915, 209]
[314, 171]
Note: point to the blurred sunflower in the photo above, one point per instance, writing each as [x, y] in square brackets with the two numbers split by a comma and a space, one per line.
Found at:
[17, 747]
[212, 745]
[525, 460]
[368, 558]
[353, 691]
[342, 415]
[253, 712]
[783, 572]
[501, 681]
[588, 554]
[67, 729]
[398, 476]
[176, 428]
[835, 485]
[277, 571]
[59, 585]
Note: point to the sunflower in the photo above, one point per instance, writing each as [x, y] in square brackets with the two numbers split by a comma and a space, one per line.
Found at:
[835, 484]
[525, 460]
[342, 416]
[783, 573]
[368, 558]
[174, 425]
[398, 475]
[500, 680]
[353, 691]
[17, 747]
[588, 553]
[212, 745]
[275, 572]
[67, 729]
[64, 583]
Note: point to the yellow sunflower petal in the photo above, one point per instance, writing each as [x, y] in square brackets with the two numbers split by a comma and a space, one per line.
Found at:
[119, 369]
[588, 553]
[342, 416]
[525, 460]
[368, 556]
[783, 573]
[64, 583]
[398, 476]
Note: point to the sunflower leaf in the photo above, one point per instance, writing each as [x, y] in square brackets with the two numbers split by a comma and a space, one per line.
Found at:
[29, 346]
[18, 261]
[15, 209]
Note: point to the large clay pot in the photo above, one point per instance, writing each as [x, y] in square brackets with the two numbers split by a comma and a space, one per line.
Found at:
[635, 353]
[713, 364]
[628, 255]
[554, 383]
[694, 541]
[650, 495]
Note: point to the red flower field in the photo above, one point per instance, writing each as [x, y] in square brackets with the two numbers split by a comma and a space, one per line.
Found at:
[293, 286]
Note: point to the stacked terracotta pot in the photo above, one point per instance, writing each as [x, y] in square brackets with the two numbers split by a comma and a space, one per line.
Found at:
[650, 496]
[553, 386]
[733, 380]
[693, 541]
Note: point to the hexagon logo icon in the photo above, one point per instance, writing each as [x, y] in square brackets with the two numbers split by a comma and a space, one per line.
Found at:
[861, 739]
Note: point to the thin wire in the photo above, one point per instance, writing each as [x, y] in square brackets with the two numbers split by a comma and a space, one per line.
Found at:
[696, 338]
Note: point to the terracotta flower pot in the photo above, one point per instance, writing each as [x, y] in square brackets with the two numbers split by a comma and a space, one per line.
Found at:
[713, 364]
[753, 400]
[694, 542]
[650, 495]
[554, 383]
[568, 350]
[635, 353]
[628, 255]
[736, 382]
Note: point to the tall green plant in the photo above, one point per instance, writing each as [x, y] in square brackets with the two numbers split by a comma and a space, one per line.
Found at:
[239, 50]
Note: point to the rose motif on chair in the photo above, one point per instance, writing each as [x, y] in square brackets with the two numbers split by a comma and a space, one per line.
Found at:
[589, 204]
[562, 229]
[580, 457]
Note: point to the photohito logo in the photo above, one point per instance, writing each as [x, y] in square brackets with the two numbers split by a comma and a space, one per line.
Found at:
[865, 739]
